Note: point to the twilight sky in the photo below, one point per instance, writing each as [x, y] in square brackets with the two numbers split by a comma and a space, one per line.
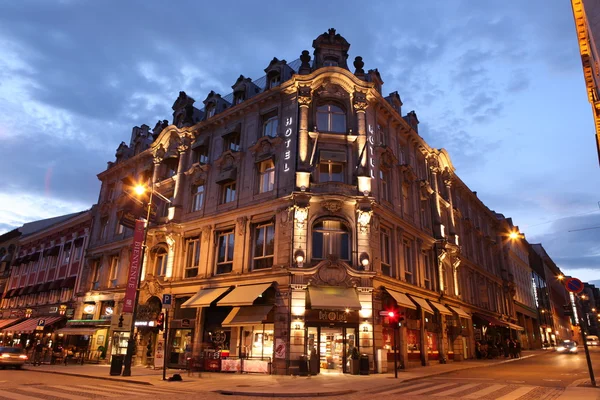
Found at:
[498, 84]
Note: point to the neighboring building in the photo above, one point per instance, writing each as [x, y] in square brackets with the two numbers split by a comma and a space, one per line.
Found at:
[558, 297]
[587, 26]
[591, 308]
[516, 259]
[301, 206]
[48, 262]
[8, 250]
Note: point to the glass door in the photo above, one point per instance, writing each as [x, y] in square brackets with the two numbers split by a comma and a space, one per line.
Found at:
[332, 350]
[349, 345]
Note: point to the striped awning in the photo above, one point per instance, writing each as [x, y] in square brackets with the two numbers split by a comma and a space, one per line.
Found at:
[7, 322]
[29, 325]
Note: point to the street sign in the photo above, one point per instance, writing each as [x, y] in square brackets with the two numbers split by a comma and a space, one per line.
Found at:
[167, 298]
[574, 285]
[40, 325]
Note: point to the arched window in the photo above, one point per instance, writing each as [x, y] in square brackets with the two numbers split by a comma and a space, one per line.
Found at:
[270, 127]
[331, 118]
[330, 237]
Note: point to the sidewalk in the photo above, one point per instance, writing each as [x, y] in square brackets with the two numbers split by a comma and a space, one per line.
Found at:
[274, 385]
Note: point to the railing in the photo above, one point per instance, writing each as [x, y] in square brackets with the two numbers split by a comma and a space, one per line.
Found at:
[230, 364]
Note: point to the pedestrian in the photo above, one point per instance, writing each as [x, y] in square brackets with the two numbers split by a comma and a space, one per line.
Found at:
[511, 348]
[517, 349]
[37, 355]
[505, 347]
[478, 350]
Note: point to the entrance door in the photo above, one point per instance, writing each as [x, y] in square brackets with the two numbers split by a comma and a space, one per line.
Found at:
[329, 348]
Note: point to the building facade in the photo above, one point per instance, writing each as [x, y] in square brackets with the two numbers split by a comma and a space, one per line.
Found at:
[286, 217]
[49, 256]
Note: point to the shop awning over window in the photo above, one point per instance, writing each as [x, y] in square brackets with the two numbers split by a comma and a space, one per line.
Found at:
[244, 295]
[8, 322]
[249, 315]
[56, 284]
[69, 282]
[401, 299]
[204, 297]
[514, 326]
[491, 320]
[422, 303]
[461, 313]
[441, 308]
[84, 330]
[29, 325]
[333, 298]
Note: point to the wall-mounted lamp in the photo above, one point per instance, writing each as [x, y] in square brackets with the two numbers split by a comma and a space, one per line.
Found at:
[299, 257]
[364, 261]
[363, 219]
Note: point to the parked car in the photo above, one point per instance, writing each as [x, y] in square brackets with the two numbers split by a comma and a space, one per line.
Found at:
[567, 346]
[592, 340]
[12, 356]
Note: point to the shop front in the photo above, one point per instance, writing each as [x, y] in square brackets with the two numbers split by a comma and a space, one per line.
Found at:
[87, 339]
[181, 334]
[27, 333]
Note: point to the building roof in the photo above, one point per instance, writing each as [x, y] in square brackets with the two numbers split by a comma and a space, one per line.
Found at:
[36, 226]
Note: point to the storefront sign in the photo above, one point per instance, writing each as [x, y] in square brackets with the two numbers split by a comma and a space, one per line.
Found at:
[185, 323]
[331, 316]
[371, 140]
[144, 323]
[280, 348]
[287, 154]
[53, 310]
[159, 353]
[134, 267]
[89, 308]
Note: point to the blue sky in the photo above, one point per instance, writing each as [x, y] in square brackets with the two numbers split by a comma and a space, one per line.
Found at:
[498, 84]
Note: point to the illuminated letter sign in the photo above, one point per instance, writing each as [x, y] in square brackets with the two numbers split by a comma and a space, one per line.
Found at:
[371, 141]
[134, 267]
[287, 154]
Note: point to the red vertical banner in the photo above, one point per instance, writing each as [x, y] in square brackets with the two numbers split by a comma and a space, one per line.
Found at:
[134, 266]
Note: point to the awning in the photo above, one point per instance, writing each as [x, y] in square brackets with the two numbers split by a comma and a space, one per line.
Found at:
[33, 289]
[333, 298]
[29, 325]
[514, 326]
[250, 315]
[69, 282]
[401, 299]
[35, 256]
[84, 330]
[244, 295]
[461, 313]
[204, 297]
[56, 284]
[7, 322]
[440, 307]
[22, 291]
[44, 287]
[422, 303]
[491, 320]
[11, 293]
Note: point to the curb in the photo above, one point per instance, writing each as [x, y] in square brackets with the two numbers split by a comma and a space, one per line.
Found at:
[258, 394]
[105, 378]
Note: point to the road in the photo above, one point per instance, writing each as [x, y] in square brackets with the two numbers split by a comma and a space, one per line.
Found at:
[543, 377]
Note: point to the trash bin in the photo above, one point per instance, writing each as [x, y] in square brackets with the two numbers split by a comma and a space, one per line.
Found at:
[364, 364]
[303, 366]
[116, 364]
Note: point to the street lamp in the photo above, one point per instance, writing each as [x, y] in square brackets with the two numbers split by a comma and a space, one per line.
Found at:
[139, 190]
[560, 277]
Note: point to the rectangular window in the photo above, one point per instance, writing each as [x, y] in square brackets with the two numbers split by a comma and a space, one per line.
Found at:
[103, 228]
[201, 154]
[331, 172]
[228, 192]
[385, 190]
[110, 192]
[232, 141]
[119, 229]
[266, 173]
[113, 271]
[225, 244]
[406, 199]
[270, 124]
[264, 246]
[429, 272]
[408, 264]
[386, 252]
[160, 264]
[96, 275]
[66, 256]
[192, 258]
[78, 252]
[197, 197]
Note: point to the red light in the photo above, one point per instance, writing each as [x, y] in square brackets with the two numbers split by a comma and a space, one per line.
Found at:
[391, 314]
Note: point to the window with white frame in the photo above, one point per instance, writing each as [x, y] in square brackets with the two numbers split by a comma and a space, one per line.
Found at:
[79, 251]
[331, 171]
[160, 262]
[331, 118]
[331, 237]
[266, 176]
[386, 252]
[66, 255]
[113, 271]
[197, 197]
[429, 272]
[263, 246]
[409, 268]
[192, 261]
[228, 192]
[270, 125]
[103, 228]
[225, 247]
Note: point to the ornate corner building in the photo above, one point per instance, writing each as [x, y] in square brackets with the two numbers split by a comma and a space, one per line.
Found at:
[292, 212]
[587, 25]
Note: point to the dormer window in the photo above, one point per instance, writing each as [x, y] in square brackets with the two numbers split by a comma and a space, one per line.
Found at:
[210, 111]
[232, 141]
[331, 118]
[330, 62]
[274, 80]
[238, 98]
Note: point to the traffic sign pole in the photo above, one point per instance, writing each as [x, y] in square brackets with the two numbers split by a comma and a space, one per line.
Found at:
[167, 300]
[583, 319]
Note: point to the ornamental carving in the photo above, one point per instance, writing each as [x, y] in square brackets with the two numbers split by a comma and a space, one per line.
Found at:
[205, 232]
[241, 225]
[360, 101]
[304, 97]
[333, 206]
[332, 272]
[328, 89]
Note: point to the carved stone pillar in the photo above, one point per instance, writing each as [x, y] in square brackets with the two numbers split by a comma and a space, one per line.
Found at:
[360, 106]
[304, 100]
[437, 215]
[455, 266]
[178, 190]
[156, 172]
[452, 227]
[441, 255]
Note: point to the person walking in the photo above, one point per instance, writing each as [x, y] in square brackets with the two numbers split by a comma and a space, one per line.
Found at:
[37, 354]
[517, 349]
[511, 348]
[505, 347]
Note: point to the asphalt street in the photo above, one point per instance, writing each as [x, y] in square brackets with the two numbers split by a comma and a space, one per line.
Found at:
[543, 377]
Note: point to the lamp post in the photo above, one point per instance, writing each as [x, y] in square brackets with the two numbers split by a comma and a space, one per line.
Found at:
[139, 190]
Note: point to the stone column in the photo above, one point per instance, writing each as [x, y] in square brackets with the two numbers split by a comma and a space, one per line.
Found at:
[304, 99]
[437, 217]
[155, 173]
[360, 106]
[423, 340]
[178, 198]
[452, 225]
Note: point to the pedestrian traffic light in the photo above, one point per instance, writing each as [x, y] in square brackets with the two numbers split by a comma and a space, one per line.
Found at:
[160, 322]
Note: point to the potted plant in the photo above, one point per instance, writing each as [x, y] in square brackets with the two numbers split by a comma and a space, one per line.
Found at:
[354, 362]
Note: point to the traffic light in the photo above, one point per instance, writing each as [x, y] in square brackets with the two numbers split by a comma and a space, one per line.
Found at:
[567, 310]
[392, 317]
[160, 321]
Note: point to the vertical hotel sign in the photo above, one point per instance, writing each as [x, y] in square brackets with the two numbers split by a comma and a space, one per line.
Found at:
[288, 139]
[134, 267]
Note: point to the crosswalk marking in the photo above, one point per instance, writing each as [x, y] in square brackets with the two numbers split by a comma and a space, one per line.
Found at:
[134, 389]
[396, 390]
[51, 393]
[456, 390]
[523, 390]
[80, 389]
[16, 396]
[484, 392]
[429, 389]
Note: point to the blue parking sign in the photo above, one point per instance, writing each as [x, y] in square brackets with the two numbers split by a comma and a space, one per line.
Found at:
[167, 298]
